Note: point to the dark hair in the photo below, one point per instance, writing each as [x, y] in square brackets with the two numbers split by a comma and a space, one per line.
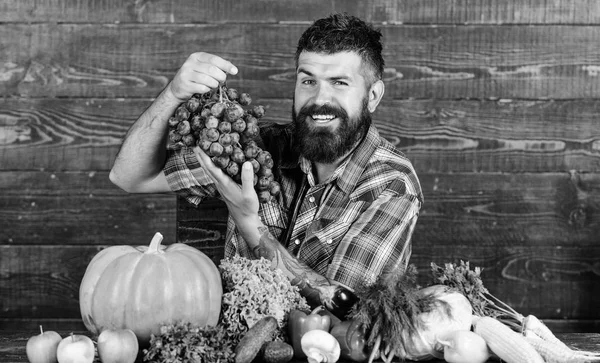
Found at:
[341, 32]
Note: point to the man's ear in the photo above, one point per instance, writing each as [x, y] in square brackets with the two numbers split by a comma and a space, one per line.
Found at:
[375, 95]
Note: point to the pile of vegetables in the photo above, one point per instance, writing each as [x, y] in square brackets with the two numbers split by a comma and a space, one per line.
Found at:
[509, 335]
[254, 290]
[256, 303]
[183, 308]
[404, 320]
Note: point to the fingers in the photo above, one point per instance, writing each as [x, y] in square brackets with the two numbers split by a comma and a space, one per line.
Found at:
[200, 73]
[247, 178]
[218, 62]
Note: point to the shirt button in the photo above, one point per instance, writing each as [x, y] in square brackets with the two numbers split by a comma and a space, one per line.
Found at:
[329, 241]
[297, 241]
[311, 199]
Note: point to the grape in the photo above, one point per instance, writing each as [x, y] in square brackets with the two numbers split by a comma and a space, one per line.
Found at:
[204, 144]
[212, 134]
[188, 140]
[197, 122]
[238, 155]
[222, 161]
[274, 188]
[218, 123]
[251, 120]
[258, 111]
[184, 128]
[251, 131]
[245, 99]
[255, 165]
[212, 122]
[227, 150]
[217, 109]
[263, 156]
[173, 122]
[216, 149]
[174, 136]
[206, 112]
[233, 168]
[238, 125]
[232, 94]
[251, 151]
[264, 171]
[224, 127]
[182, 113]
[192, 104]
[263, 183]
[235, 137]
[264, 196]
[226, 140]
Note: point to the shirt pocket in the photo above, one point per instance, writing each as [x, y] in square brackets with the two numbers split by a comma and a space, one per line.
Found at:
[323, 238]
[274, 216]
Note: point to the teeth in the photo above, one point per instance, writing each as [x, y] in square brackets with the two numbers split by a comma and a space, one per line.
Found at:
[323, 117]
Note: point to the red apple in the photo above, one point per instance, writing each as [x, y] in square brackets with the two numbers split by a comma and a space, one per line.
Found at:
[42, 348]
[75, 348]
[118, 346]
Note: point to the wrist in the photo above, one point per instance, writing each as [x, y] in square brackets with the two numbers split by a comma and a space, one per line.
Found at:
[170, 95]
[249, 228]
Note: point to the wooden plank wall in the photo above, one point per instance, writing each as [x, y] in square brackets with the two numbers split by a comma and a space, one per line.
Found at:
[495, 102]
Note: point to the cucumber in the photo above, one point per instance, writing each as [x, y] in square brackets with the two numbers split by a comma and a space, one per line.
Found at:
[250, 344]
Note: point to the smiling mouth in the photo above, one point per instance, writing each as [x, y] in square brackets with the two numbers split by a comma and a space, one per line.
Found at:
[322, 118]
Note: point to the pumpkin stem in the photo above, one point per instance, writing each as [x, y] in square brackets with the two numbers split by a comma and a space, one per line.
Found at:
[155, 243]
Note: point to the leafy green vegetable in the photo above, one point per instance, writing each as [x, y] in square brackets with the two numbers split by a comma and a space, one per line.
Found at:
[468, 281]
[389, 308]
[254, 290]
[183, 342]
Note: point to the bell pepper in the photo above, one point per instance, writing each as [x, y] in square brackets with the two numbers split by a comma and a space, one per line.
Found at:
[352, 337]
[300, 323]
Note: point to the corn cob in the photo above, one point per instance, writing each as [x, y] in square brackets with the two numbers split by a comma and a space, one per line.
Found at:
[507, 344]
[559, 353]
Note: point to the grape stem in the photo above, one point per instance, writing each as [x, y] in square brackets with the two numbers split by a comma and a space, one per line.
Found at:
[222, 94]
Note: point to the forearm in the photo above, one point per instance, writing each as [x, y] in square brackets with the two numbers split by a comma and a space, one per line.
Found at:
[317, 289]
[142, 154]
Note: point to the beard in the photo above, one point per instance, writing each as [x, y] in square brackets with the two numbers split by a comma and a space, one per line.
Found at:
[322, 144]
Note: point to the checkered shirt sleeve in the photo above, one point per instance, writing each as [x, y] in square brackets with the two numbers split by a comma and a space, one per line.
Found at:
[185, 176]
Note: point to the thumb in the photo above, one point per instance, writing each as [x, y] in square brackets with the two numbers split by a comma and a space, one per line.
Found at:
[247, 178]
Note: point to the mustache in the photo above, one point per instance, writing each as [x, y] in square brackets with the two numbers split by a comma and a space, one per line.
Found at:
[325, 109]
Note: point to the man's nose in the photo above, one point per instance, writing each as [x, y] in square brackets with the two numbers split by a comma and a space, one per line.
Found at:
[323, 94]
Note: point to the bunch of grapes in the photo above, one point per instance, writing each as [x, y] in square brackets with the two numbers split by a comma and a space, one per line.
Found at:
[223, 124]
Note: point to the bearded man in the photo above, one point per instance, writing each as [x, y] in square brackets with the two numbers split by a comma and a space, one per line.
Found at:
[349, 199]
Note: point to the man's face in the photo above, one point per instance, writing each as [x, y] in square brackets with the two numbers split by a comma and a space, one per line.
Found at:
[330, 110]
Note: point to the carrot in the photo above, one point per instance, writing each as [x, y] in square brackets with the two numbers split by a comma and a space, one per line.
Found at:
[507, 344]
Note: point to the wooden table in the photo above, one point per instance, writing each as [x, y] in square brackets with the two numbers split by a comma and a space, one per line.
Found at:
[12, 343]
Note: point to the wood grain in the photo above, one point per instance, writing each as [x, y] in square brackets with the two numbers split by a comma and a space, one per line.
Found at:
[438, 135]
[448, 62]
[488, 210]
[78, 208]
[43, 281]
[273, 11]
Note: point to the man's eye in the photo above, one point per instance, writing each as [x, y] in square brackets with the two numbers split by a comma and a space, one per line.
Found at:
[308, 81]
[340, 83]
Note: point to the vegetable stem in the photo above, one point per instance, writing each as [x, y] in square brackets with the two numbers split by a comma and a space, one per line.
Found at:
[155, 243]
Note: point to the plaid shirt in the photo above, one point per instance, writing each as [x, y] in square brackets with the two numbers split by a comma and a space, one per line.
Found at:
[350, 228]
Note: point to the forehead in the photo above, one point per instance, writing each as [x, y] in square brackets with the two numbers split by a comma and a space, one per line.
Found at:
[347, 64]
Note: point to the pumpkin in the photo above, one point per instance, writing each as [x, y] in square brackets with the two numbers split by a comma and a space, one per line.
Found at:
[142, 288]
